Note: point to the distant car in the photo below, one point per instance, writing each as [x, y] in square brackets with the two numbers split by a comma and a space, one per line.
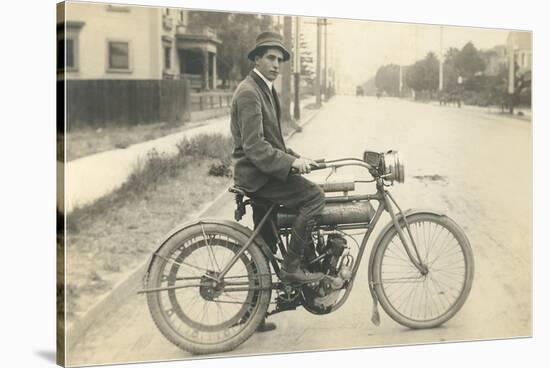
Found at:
[359, 91]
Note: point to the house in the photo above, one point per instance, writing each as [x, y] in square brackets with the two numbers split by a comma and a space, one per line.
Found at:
[519, 44]
[106, 41]
[520, 53]
[496, 59]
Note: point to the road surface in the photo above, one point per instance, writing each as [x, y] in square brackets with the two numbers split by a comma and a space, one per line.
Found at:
[471, 165]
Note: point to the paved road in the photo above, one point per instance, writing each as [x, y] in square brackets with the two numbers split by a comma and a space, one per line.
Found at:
[474, 166]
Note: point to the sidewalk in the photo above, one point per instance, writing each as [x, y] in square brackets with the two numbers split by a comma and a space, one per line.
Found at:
[91, 177]
[526, 113]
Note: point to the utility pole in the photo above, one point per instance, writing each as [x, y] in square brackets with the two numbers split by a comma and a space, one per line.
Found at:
[297, 67]
[440, 58]
[400, 79]
[512, 76]
[286, 69]
[318, 67]
[325, 23]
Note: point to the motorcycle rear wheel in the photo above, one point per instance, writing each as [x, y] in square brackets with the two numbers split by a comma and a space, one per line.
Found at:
[201, 318]
[424, 301]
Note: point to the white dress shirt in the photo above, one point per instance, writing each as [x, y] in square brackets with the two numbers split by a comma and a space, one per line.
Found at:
[269, 83]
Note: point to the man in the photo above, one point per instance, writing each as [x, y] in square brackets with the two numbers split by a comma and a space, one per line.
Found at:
[263, 162]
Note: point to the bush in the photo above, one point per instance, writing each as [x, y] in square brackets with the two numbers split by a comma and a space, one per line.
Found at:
[207, 145]
[220, 169]
[149, 172]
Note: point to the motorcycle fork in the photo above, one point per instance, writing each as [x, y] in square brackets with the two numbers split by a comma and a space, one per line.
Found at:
[416, 261]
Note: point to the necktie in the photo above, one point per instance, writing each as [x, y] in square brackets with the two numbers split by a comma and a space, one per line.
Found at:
[276, 100]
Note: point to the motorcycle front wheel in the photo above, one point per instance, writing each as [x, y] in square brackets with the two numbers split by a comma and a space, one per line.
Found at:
[427, 300]
[193, 311]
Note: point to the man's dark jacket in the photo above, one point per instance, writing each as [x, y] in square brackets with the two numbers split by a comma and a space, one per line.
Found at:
[260, 153]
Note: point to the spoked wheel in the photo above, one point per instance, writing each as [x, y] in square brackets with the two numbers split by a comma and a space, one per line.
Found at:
[194, 311]
[424, 299]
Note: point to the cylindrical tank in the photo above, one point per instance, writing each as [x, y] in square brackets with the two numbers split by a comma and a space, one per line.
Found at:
[337, 186]
[333, 214]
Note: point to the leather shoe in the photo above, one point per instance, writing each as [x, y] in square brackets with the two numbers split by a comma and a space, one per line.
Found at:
[300, 276]
[266, 326]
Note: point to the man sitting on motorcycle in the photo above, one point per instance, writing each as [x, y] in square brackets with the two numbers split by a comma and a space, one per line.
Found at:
[263, 162]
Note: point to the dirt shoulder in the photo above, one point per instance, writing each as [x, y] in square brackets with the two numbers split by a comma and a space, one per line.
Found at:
[108, 245]
[110, 237]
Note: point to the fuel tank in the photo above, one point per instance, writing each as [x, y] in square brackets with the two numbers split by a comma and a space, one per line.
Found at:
[333, 214]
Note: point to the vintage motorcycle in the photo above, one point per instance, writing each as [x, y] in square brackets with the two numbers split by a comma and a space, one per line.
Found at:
[210, 282]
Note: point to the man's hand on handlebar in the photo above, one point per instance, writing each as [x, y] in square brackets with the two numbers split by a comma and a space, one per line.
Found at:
[303, 165]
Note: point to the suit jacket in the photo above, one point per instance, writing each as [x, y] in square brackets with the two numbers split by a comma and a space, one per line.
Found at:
[259, 151]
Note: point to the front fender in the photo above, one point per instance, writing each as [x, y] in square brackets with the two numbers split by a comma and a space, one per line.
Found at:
[231, 224]
[387, 227]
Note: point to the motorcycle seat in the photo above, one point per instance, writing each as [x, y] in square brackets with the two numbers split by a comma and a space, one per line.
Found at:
[241, 203]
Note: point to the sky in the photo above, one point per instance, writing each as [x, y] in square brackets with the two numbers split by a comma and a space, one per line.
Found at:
[358, 48]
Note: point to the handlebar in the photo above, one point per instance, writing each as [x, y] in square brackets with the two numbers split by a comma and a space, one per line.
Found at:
[324, 164]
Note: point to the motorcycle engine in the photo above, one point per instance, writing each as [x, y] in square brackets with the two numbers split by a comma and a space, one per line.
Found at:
[320, 298]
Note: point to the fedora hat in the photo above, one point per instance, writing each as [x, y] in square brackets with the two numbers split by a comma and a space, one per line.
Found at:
[269, 39]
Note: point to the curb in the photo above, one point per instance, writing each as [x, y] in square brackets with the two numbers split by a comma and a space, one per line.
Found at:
[128, 286]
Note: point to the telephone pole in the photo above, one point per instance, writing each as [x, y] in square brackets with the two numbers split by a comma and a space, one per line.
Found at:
[286, 69]
[440, 58]
[400, 80]
[297, 71]
[325, 61]
[318, 67]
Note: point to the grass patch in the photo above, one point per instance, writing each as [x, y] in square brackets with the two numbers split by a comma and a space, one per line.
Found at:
[115, 233]
[85, 142]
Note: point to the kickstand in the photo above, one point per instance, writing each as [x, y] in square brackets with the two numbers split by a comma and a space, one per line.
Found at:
[375, 318]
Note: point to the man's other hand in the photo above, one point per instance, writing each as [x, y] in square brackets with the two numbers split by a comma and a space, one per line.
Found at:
[303, 165]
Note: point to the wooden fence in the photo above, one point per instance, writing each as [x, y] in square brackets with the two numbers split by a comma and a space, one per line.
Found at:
[210, 100]
[116, 103]
[105, 103]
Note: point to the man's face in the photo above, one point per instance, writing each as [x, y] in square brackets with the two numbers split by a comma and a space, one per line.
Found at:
[269, 64]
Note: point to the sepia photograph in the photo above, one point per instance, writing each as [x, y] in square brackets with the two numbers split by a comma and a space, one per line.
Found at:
[241, 183]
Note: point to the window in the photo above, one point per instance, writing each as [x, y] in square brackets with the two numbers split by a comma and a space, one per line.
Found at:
[167, 12]
[167, 58]
[118, 56]
[67, 53]
[67, 46]
[60, 54]
[70, 55]
[182, 17]
[118, 8]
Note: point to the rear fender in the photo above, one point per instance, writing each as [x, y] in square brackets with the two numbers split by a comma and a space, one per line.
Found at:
[259, 241]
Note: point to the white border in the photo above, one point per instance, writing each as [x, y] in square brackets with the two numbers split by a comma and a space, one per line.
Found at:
[27, 313]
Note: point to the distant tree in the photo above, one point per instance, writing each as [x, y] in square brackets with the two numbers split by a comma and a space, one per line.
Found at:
[238, 34]
[496, 88]
[423, 75]
[469, 61]
[431, 71]
[522, 82]
[414, 77]
[450, 71]
[369, 87]
[387, 79]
